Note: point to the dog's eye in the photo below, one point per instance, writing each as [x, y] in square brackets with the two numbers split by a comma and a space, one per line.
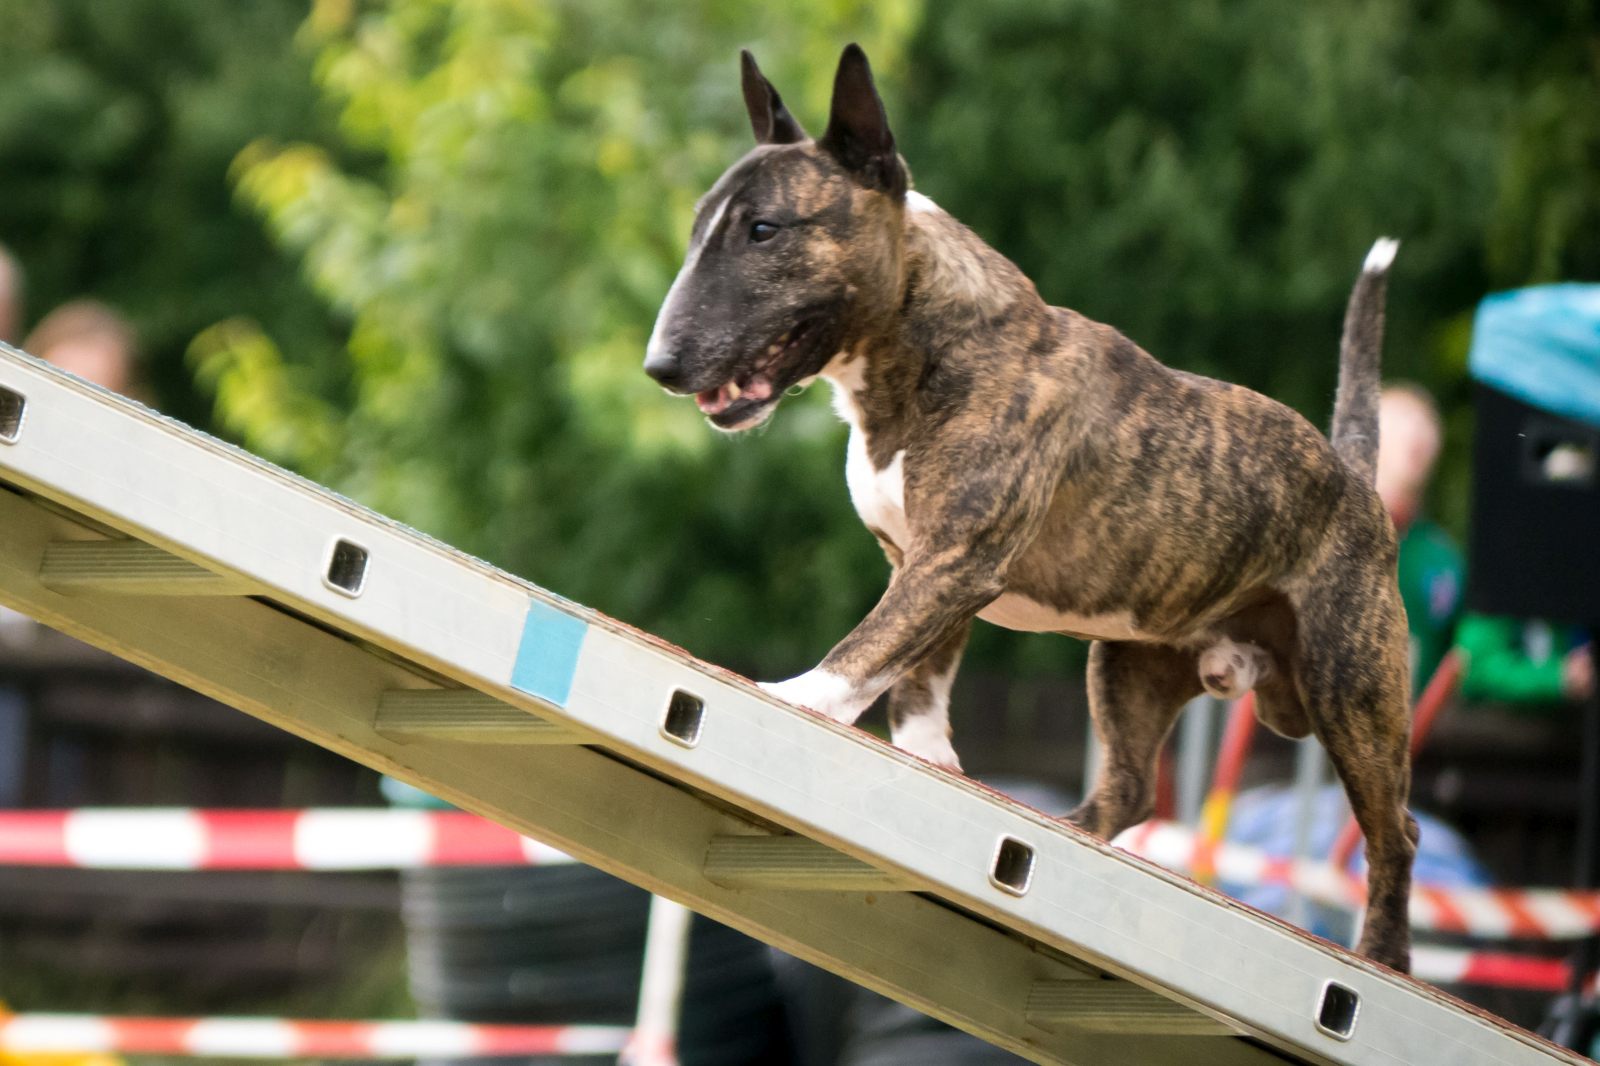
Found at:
[763, 231]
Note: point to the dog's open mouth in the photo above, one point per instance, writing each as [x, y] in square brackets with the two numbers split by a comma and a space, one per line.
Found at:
[734, 401]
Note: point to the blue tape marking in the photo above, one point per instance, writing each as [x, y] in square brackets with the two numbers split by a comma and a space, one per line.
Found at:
[548, 656]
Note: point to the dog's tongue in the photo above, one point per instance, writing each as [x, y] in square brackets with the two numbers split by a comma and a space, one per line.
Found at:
[715, 401]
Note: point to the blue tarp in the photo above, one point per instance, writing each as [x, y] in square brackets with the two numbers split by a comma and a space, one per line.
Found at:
[1542, 346]
[1265, 818]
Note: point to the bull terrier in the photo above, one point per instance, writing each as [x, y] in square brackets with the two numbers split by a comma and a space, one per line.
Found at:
[1022, 464]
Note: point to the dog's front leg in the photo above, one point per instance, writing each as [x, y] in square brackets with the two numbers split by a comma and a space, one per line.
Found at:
[919, 703]
[925, 613]
[963, 542]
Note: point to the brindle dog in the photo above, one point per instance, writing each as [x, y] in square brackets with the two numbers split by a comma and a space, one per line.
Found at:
[1022, 464]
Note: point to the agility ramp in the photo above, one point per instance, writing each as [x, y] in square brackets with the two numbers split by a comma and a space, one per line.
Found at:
[226, 574]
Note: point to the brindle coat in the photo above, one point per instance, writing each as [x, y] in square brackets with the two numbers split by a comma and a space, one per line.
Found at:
[1020, 462]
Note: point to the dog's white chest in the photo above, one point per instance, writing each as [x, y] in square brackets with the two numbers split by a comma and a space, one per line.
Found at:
[879, 496]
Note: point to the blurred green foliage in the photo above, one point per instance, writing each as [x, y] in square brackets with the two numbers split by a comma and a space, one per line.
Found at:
[475, 208]
[500, 272]
[119, 120]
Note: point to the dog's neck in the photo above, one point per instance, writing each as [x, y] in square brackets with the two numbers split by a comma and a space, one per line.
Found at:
[960, 299]
[953, 278]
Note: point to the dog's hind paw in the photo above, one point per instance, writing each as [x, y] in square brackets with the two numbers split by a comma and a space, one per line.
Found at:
[927, 738]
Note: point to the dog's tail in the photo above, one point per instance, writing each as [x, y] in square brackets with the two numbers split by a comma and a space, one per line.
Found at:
[1355, 407]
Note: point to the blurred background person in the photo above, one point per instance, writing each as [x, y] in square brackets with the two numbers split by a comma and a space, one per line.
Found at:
[13, 626]
[1432, 578]
[89, 339]
[10, 296]
[1411, 436]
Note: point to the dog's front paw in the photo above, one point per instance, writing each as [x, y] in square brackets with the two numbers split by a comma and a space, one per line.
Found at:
[822, 691]
[927, 738]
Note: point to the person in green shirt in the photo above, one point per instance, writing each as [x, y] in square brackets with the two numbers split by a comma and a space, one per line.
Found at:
[1525, 664]
[1410, 435]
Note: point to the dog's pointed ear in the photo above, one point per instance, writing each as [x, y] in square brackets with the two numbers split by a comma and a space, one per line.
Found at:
[858, 129]
[769, 119]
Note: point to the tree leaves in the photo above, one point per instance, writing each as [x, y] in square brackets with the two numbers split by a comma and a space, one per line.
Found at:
[501, 263]
[473, 210]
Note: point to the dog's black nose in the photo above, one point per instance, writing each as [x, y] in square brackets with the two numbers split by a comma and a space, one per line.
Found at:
[664, 368]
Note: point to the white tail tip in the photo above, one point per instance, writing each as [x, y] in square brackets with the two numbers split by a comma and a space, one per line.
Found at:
[1381, 256]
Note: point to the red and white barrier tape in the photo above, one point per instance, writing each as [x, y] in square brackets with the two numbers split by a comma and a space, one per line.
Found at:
[364, 839]
[1490, 969]
[281, 1038]
[275, 1038]
[317, 839]
[1490, 913]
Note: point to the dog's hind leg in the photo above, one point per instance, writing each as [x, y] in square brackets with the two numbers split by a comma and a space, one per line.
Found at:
[1352, 676]
[919, 703]
[1278, 708]
[1135, 694]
